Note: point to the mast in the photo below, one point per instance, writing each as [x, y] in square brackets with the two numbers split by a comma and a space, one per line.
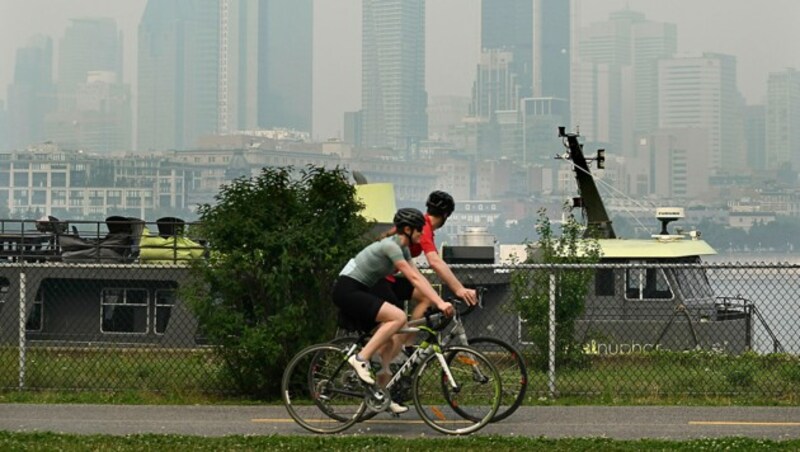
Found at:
[597, 221]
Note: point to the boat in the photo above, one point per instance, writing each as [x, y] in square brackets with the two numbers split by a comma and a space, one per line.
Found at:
[652, 294]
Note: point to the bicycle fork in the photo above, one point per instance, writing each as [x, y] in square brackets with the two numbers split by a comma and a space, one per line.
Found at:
[460, 335]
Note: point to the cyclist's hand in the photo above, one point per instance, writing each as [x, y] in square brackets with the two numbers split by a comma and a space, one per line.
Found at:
[446, 308]
[470, 296]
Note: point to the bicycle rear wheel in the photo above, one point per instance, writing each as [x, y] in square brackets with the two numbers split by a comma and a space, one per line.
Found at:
[512, 370]
[344, 342]
[475, 394]
[321, 391]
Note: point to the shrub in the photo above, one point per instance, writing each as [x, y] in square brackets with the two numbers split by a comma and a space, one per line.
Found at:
[277, 243]
[530, 291]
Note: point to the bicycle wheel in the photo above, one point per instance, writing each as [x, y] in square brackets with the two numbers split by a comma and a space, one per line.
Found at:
[477, 395]
[512, 370]
[321, 391]
[400, 392]
[343, 342]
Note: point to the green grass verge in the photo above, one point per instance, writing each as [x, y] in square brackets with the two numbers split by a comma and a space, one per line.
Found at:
[64, 442]
[102, 375]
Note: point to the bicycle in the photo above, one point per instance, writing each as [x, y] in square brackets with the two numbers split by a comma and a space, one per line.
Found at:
[504, 356]
[323, 394]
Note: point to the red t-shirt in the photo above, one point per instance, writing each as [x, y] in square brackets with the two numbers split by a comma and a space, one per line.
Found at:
[426, 243]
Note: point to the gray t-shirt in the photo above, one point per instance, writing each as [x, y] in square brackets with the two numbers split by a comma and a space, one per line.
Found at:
[376, 261]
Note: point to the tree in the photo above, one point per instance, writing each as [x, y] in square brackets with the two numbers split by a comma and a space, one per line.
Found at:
[277, 243]
[530, 289]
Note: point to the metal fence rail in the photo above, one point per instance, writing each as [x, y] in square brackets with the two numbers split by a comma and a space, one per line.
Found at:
[648, 331]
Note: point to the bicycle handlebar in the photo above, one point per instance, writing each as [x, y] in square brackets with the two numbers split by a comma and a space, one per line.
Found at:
[433, 317]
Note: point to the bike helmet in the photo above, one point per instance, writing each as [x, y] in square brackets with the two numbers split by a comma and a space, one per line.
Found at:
[440, 203]
[409, 216]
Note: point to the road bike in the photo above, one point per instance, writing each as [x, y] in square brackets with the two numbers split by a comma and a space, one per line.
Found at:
[455, 389]
[505, 357]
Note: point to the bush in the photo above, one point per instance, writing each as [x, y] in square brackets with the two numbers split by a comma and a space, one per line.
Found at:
[277, 243]
[531, 290]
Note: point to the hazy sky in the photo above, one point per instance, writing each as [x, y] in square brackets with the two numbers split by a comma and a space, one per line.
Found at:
[762, 34]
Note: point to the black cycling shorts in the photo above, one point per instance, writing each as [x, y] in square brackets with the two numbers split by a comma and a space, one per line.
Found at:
[400, 290]
[358, 304]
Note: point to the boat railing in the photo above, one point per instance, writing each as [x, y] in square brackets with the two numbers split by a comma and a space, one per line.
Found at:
[118, 239]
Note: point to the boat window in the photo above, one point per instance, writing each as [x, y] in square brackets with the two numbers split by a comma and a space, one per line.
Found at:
[604, 282]
[124, 310]
[646, 283]
[165, 299]
[35, 315]
[693, 283]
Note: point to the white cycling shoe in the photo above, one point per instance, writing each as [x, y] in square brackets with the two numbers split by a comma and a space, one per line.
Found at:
[362, 369]
[396, 408]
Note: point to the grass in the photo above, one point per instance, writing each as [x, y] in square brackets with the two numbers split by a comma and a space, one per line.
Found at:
[66, 442]
[153, 376]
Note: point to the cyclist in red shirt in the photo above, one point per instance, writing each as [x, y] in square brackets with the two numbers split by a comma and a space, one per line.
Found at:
[440, 205]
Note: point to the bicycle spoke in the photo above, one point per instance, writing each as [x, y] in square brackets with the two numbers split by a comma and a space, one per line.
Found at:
[321, 392]
[477, 394]
[512, 370]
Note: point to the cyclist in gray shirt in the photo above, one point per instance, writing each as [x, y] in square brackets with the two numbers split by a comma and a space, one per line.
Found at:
[353, 296]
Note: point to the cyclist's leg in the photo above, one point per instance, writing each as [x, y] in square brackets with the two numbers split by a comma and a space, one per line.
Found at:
[391, 319]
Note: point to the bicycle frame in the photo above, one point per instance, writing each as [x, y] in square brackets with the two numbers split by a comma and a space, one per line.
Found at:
[422, 351]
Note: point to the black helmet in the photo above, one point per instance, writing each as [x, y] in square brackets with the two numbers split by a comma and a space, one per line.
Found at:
[409, 216]
[440, 203]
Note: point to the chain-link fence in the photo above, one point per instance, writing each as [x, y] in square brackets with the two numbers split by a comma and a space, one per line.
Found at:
[647, 331]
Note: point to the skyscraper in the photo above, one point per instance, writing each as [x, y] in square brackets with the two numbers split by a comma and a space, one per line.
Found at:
[508, 25]
[31, 95]
[783, 119]
[266, 51]
[94, 106]
[552, 47]
[88, 44]
[622, 51]
[393, 94]
[178, 73]
[535, 38]
[700, 91]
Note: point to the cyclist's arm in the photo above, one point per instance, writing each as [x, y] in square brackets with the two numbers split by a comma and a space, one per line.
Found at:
[443, 270]
[423, 285]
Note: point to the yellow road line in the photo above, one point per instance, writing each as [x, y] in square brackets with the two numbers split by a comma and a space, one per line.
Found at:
[760, 424]
[324, 421]
[371, 421]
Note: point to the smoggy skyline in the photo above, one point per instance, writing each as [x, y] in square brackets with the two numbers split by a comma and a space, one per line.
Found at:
[760, 34]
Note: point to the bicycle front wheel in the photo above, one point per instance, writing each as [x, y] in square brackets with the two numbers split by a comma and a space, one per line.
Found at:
[321, 391]
[475, 393]
[512, 369]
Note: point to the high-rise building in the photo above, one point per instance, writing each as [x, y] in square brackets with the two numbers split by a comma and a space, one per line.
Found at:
[755, 127]
[31, 95]
[393, 94]
[496, 85]
[99, 118]
[88, 44]
[508, 25]
[3, 126]
[783, 119]
[265, 64]
[552, 47]
[622, 51]
[526, 54]
[94, 106]
[178, 72]
[700, 91]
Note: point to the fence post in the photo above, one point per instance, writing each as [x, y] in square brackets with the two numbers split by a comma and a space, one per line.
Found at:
[551, 361]
[22, 303]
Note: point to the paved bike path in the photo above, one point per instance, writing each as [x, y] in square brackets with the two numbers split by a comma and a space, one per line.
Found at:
[555, 422]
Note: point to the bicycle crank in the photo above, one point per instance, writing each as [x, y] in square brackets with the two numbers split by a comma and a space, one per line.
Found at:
[378, 399]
